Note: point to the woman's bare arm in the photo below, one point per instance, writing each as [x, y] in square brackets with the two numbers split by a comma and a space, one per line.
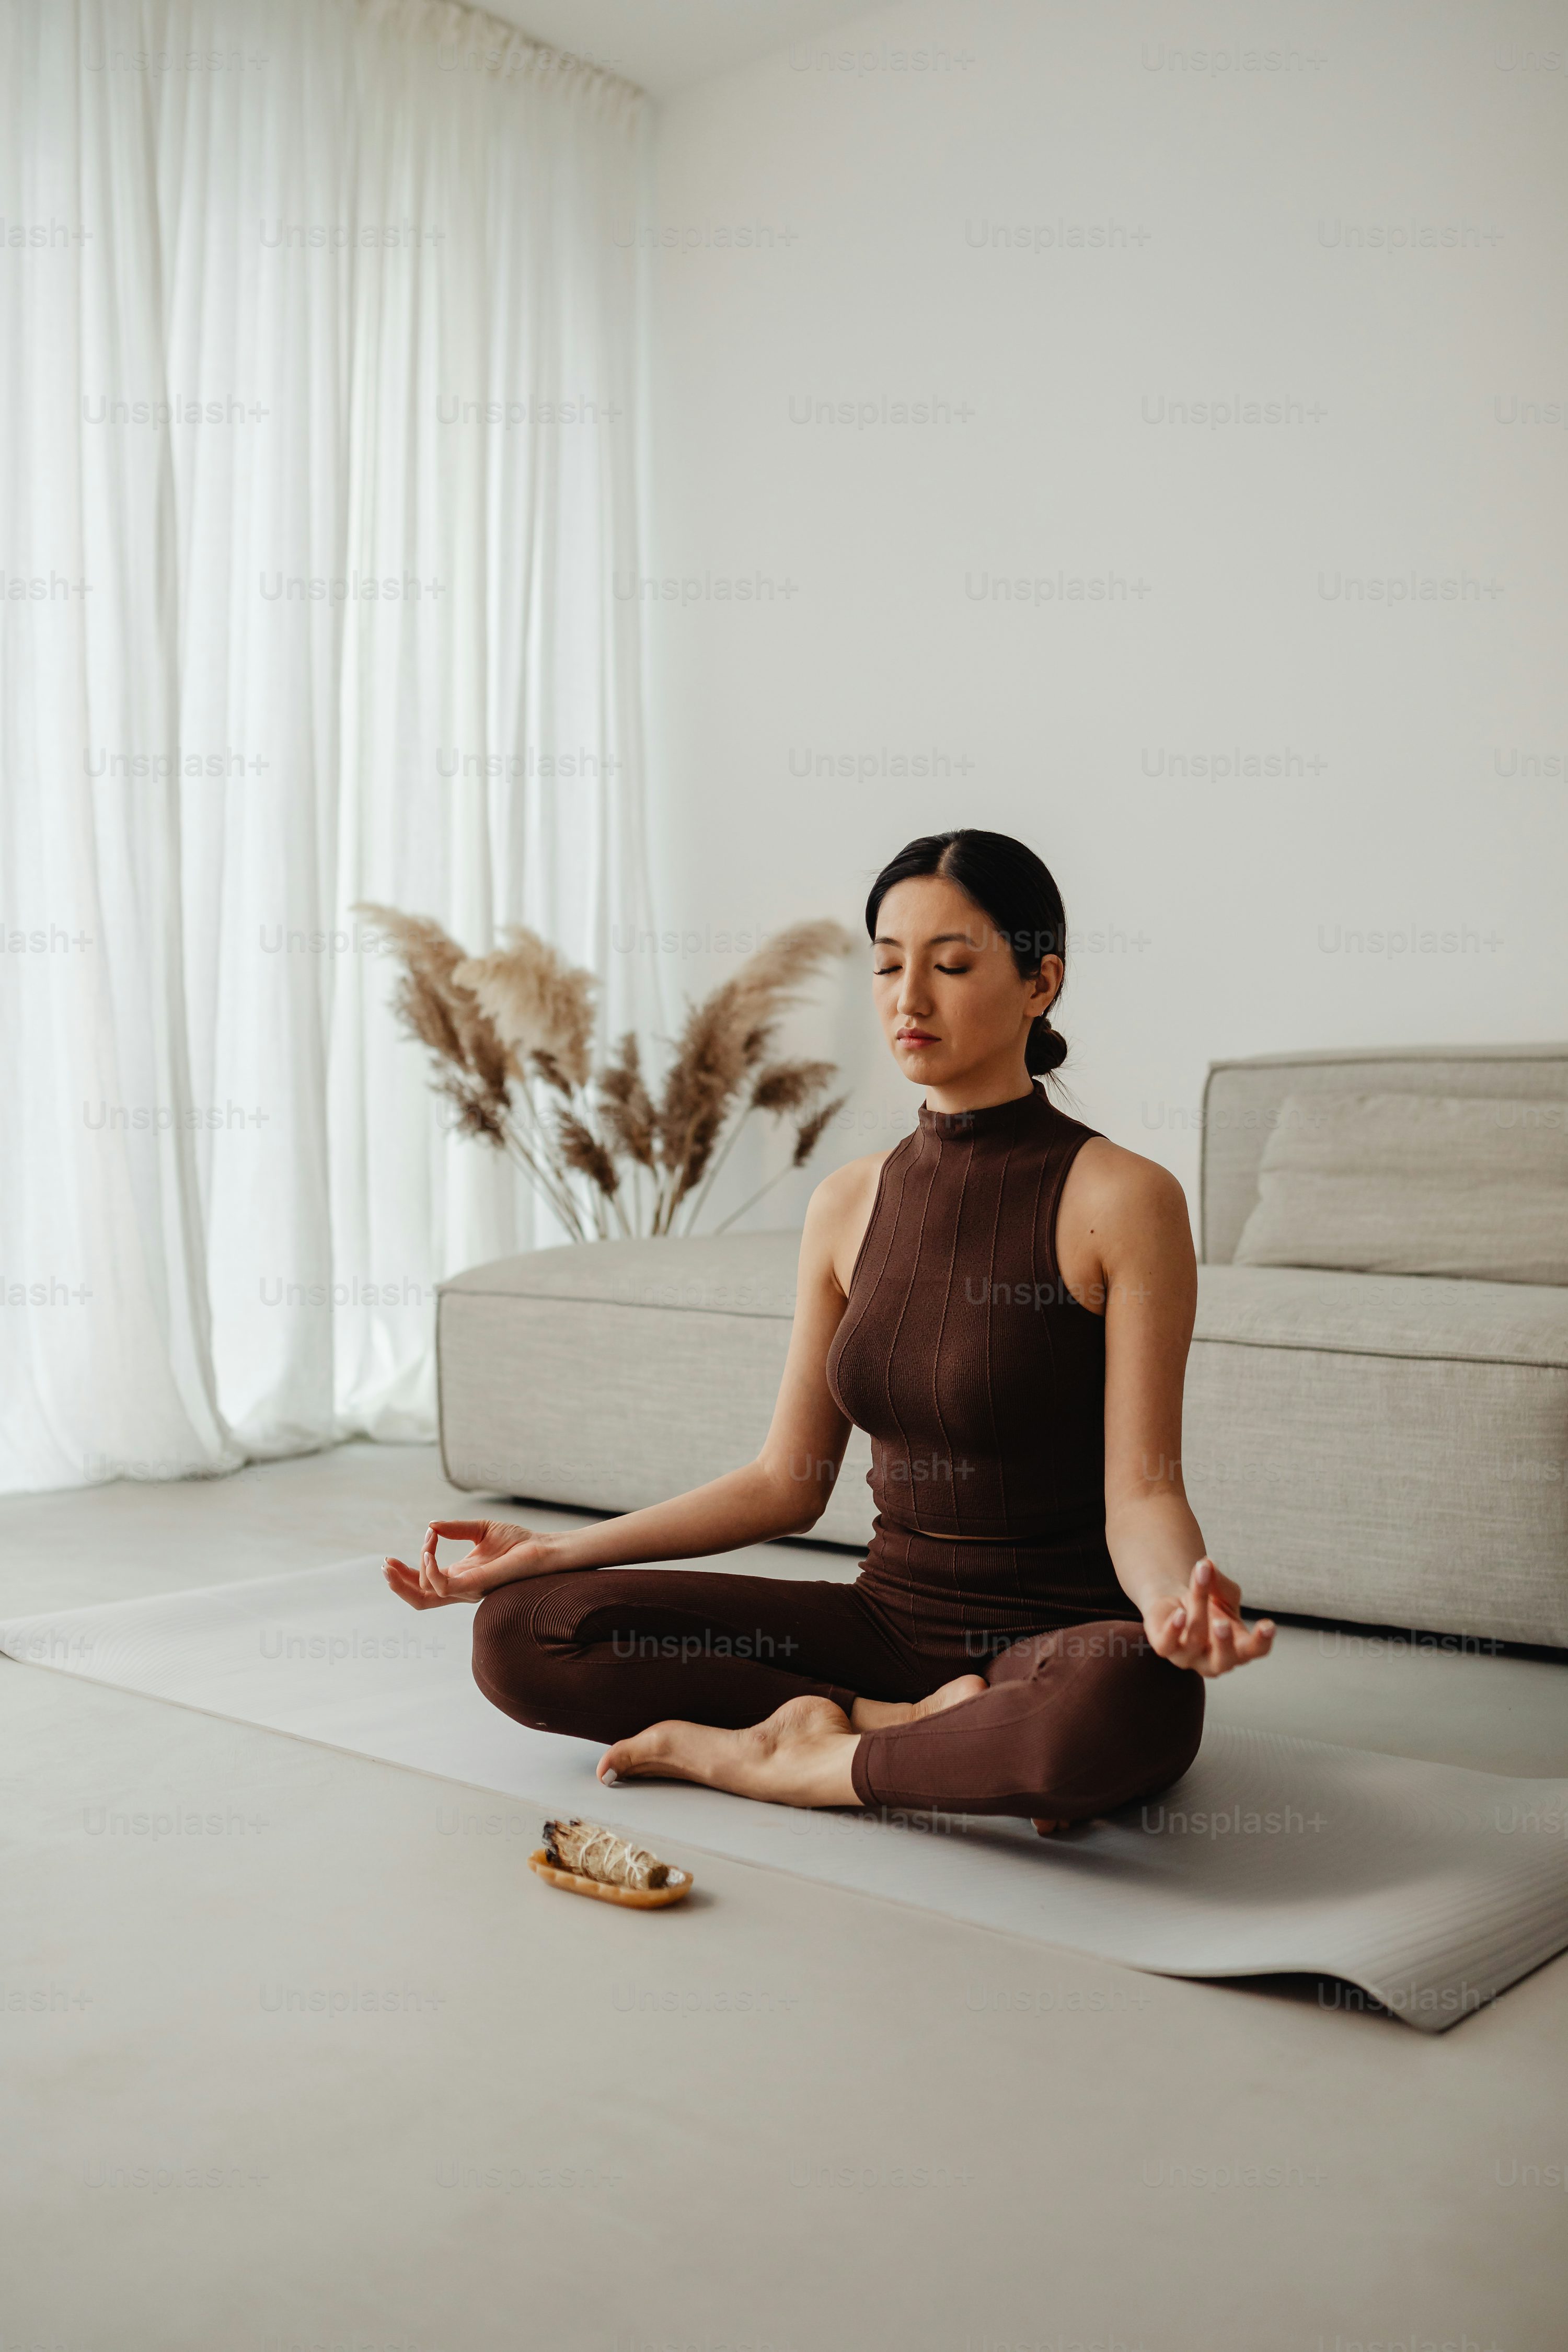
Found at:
[783, 1492]
[1124, 1220]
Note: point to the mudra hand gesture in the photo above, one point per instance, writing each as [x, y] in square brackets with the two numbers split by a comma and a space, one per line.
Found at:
[1203, 1627]
[502, 1553]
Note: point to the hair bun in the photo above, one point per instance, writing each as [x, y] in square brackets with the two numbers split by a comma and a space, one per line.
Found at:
[1046, 1048]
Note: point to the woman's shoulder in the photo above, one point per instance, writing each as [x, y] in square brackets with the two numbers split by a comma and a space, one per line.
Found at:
[1111, 1181]
[838, 1215]
[850, 1188]
[1119, 1213]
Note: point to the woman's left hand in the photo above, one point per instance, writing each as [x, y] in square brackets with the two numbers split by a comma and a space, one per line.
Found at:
[1203, 1627]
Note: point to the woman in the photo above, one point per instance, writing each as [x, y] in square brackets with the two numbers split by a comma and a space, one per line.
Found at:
[1005, 1302]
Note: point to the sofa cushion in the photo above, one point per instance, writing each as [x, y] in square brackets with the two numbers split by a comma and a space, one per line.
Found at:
[1383, 1315]
[1242, 1101]
[721, 1274]
[1414, 1185]
[1385, 1448]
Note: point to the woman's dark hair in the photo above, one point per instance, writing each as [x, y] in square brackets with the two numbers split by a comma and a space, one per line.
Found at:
[1008, 883]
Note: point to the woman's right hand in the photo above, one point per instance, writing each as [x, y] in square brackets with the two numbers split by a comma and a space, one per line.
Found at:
[501, 1554]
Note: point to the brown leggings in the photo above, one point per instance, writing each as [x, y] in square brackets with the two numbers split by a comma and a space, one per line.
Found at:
[1075, 1720]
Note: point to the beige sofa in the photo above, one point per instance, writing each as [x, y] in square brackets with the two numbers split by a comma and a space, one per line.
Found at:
[1387, 1449]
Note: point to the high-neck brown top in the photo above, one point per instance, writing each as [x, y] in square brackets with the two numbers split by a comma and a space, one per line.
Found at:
[979, 1379]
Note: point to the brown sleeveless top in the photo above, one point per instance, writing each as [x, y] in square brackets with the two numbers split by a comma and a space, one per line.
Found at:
[979, 1379]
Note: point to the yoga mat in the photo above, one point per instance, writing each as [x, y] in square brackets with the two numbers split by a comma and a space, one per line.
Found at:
[1431, 1886]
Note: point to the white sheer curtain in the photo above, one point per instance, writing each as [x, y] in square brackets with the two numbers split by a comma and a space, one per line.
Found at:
[320, 380]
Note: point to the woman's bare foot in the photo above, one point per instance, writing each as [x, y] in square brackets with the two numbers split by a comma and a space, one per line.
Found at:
[880, 1715]
[800, 1756]
[1047, 1828]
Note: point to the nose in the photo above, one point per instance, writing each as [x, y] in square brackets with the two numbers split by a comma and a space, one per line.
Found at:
[914, 997]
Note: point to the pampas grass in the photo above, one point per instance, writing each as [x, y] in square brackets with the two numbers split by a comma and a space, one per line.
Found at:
[510, 1036]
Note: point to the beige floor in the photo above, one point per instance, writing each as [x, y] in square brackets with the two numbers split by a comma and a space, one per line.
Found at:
[332, 2070]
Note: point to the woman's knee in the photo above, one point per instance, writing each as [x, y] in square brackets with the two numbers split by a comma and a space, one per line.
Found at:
[1160, 1705]
[1166, 1703]
[516, 1663]
[1116, 1721]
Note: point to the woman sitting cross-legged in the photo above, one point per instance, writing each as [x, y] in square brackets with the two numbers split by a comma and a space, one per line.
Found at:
[1004, 1301]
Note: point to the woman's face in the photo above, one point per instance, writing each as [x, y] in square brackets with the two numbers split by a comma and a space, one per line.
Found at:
[948, 993]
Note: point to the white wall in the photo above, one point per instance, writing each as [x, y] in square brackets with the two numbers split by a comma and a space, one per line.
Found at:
[827, 208]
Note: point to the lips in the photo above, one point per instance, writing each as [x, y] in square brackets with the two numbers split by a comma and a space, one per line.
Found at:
[915, 1037]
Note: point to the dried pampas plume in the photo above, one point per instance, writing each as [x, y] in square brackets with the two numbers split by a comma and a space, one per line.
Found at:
[808, 1134]
[600, 1147]
[626, 1107]
[435, 1006]
[537, 1002]
[724, 1038]
[786, 1085]
[581, 1149]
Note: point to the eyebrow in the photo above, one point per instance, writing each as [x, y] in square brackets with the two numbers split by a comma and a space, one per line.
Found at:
[940, 939]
